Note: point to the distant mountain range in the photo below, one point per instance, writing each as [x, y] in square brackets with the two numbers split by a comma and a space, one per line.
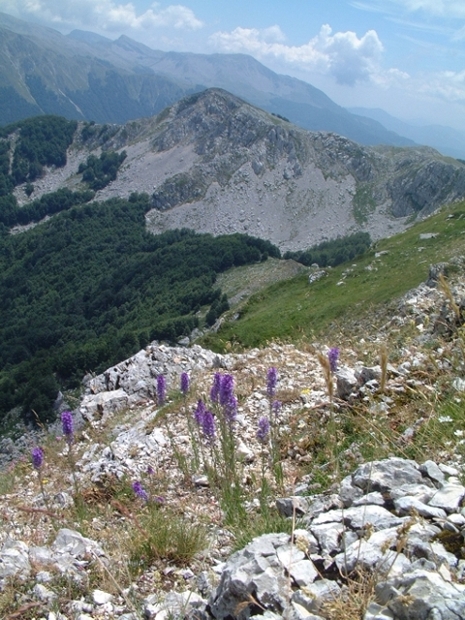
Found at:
[85, 76]
[447, 140]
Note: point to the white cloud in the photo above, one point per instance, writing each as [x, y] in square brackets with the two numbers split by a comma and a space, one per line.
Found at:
[448, 85]
[345, 56]
[108, 15]
[447, 8]
[444, 8]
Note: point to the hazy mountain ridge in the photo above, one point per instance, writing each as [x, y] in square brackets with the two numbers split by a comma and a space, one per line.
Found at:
[446, 139]
[86, 76]
[216, 164]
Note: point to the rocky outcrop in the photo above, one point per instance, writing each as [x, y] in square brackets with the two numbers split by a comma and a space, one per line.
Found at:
[385, 542]
[423, 189]
[134, 380]
[392, 521]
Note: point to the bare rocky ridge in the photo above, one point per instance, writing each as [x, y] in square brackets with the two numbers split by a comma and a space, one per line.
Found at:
[215, 164]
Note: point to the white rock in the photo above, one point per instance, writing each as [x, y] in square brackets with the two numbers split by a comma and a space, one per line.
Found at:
[289, 555]
[449, 497]
[100, 597]
[303, 572]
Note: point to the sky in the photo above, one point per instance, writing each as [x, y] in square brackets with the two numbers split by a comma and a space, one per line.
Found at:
[404, 56]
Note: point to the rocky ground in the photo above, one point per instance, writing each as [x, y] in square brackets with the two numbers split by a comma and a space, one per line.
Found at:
[371, 499]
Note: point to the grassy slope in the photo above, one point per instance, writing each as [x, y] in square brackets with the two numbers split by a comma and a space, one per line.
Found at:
[292, 310]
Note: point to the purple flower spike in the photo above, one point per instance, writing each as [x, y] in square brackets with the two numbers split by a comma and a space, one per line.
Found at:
[271, 381]
[226, 390]
[263, 429]
[37, 455]
[333, 357]
[161, 390]
[276, 408]
[67, 425]
[208, 425]
[230, 410]
[184, 383]
[199, 412]
[140, 491]
[215, 390]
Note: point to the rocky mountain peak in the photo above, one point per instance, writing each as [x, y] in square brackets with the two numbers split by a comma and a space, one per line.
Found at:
[216, 164]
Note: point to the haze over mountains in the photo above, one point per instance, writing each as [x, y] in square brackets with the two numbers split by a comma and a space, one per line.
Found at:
[87, 76]
[447, 140]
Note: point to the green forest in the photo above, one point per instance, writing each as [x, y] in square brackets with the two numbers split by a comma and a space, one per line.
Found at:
[91, 287]
[29, 145]
[42, 141]
[334, 252]
[25, 148]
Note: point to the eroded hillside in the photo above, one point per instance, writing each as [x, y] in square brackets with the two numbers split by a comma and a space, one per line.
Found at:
[215, 164]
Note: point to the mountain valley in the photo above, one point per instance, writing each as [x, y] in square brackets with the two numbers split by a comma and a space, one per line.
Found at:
[232, 373]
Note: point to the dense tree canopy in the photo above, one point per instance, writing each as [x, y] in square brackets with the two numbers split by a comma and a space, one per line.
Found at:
[333, 252]
[91, 287]
[98, 172]
[42, 141]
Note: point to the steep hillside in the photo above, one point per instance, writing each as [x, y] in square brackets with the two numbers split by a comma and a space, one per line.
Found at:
[44, 72]
[316, 479]
[215, 164]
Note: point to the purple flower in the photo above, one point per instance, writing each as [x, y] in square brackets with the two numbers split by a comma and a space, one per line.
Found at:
[333, 356]
[67, 425]
[215, 389]
[230, 410]
[226, 389]
[271, 380]
[140, 491]
[208, 425]
[150, 470]
[276, 407]
[184, 383]
[37, 455]
[199, 412]
[263, 429]
[161, 390]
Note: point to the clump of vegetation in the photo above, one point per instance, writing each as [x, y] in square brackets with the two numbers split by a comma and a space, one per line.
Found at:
[98, 172]
[42, 141]
[334, 252]
[213, 432]
[283, 118]
[48, 204]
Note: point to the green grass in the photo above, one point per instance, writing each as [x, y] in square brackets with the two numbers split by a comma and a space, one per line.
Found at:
[162, 534]
[293, 310]
[7, 482]
[364, 203]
